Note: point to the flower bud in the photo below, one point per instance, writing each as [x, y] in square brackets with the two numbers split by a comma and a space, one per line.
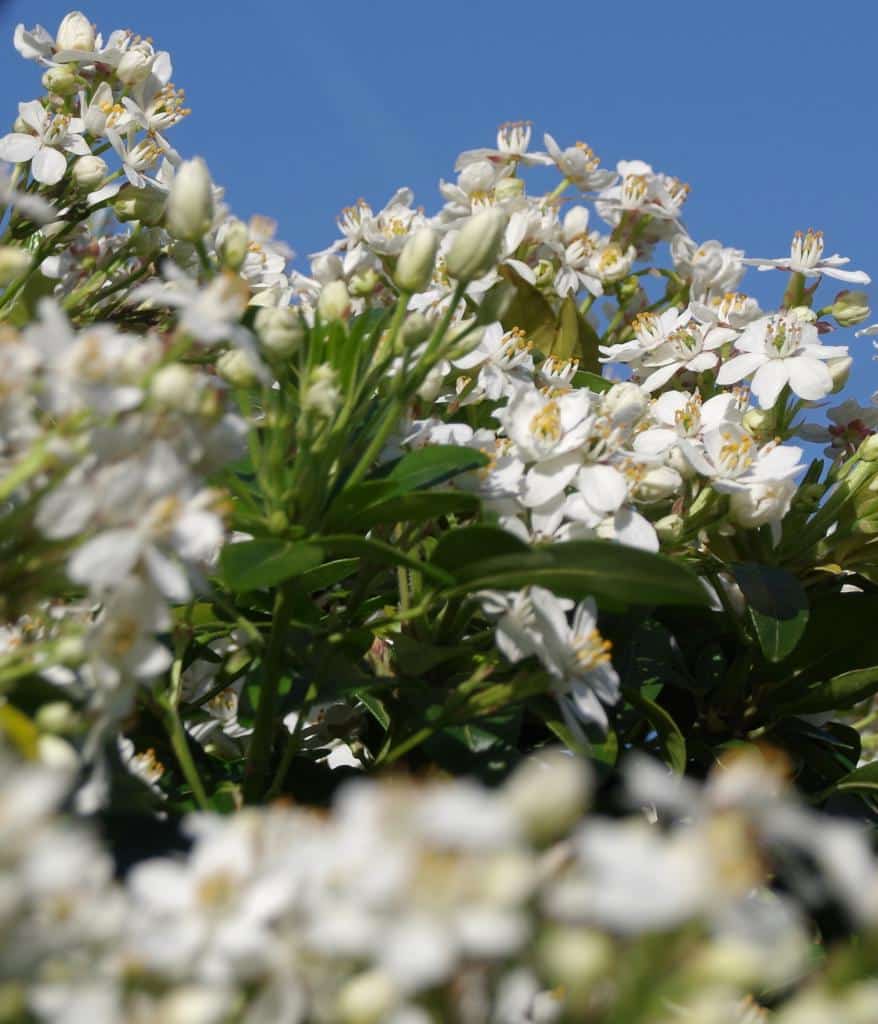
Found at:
[565, 777]
[75, 32]
[508, 188]
[89, 172]
[669, 529]
[476, 247]
[190, 202]
[804, 314]
[58, 716]
[334, 302]
[415, 329]
[759, 422]
[146, 205]
[176, 386]
[322, 396]
[658, 483]
[414, 268]
[839, 369]
[367, 998]
[850, 308]
[238, 367]
[575, 223]
[13, 261]
[21, 126]
[232, 242]
[280, 329]
[575, 958]
[135, 65]
[868, 450]
[61, 80]
[364, 283]
[624, 403]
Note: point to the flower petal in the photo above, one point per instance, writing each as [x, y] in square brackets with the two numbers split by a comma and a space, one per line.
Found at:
[48, 166]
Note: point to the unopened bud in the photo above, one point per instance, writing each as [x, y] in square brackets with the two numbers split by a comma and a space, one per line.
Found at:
[89, 172]
[176, 387]
[565, 777]
[868, 450]
[232, 241]
[135, 65]
[75, 32]
[13, 262]
[334, 302]
[57, 716]
[839, 369]
[544, 273]
[415, 329]
[190, 202]
[21, 126]
[146, 205]
[759, 422]
[280, 329]
[624, 403]
[476, 247]
[367, 998]
[850, 308]
[364, 283]
[658, 483]
[414, 268]
[508, 188]
[669, 529]
[629, 288]
[238, 367]
[575, 958]
[61, 80]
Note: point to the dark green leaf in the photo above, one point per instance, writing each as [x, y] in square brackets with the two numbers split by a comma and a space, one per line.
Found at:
[861, 780]
[469, 544]
[530, 311]
[254, 564]
[592, 381]
[777, 606]
[384, 554]
[842, 691]
[325, 575]
[434, 464]
[584, 568]
[671, 742]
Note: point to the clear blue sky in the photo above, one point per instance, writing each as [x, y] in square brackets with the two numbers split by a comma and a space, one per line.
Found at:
[768, 109]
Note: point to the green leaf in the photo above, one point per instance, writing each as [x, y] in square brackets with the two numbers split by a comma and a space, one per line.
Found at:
[327, 574]
[384, 554]
[254, 564]
[861, 780]
[434, 464]
[777, 606]
[592, 381]
[672, 743]
[468, 544]
[843, 691]
[414, 657]
[575, 338]
[418, 507]
[583, 568]
[530, 311]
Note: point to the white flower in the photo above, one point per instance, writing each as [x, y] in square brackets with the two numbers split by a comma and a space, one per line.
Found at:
[550, 433]
[806, 257]
[579, 163]
[53, 135]
[513, 139]
[731, 458]
[781, 350]
[692, 347]
[578, 657]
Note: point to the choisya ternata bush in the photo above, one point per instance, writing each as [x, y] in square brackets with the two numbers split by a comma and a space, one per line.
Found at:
[528, 470]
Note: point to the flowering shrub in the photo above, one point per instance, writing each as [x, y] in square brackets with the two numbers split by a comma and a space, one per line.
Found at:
[458, 632]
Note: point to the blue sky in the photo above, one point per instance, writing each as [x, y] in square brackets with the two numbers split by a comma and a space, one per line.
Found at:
[766, 108]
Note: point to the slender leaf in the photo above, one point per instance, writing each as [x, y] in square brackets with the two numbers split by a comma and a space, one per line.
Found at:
[671, 741]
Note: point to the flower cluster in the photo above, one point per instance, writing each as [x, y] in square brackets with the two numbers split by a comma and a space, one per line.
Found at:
[410, 900]
[531, 468]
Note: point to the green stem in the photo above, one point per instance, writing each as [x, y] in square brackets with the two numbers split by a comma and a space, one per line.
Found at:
[264, 727]
[180, 745]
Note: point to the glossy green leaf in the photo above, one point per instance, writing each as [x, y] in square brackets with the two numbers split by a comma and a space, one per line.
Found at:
[434, 464]
[862, 780]
[777, 606]
[583, 568]
[254, 564]
[843, 691]
[530, 311]
[384, 554]
[469, 544]
[671, 742]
